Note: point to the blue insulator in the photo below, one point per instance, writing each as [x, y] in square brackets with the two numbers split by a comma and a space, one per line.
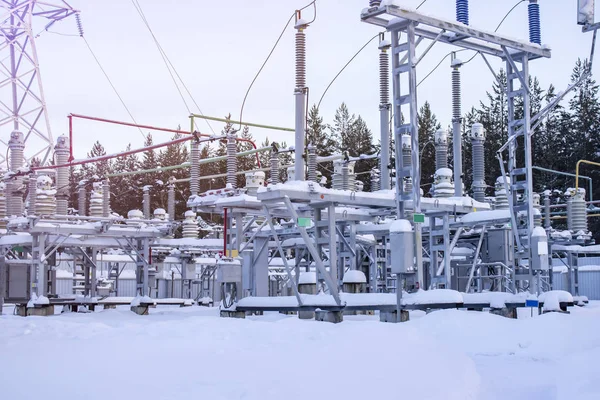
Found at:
[462, 11]
[535, 33]
[374, 3]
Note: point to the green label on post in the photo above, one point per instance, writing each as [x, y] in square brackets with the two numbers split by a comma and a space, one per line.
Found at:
[304, 222]
[418, 218]
[18, 249]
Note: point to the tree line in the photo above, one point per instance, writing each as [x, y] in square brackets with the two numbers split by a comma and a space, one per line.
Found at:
[570, 132]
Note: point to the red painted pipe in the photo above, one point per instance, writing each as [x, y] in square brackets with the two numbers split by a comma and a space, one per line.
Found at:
[125, 153]
[155, 128]
[225, 232]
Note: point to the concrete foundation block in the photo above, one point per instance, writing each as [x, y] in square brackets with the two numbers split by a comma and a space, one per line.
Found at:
[41, 311]
[334, 317]
[233, 314]
[306, 314]
[140, 310]
[392, 316]
[23, 311]
[505, 312]
[110, 306]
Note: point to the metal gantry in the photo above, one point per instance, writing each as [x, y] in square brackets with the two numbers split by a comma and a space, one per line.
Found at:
[22, 102]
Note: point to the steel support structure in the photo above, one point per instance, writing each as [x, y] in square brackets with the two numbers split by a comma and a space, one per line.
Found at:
[404, 43]
[22, 102]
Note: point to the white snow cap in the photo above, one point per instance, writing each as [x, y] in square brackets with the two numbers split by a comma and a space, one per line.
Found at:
[444, 172]
[307, 278]
[400, 225]
[135, 214]
[456, 62]
[355, 276]
[189, 213]
[384, 44]
[538, 231]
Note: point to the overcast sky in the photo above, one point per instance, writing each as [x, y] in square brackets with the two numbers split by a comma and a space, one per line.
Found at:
[217, 47]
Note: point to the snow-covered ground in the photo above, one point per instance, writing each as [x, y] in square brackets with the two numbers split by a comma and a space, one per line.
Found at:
[187, 353]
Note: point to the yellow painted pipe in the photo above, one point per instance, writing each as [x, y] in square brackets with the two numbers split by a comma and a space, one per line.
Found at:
[577, 170]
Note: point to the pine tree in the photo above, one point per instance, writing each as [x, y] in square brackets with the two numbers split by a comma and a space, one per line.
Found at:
[340, 130]
[428, 125]
[318, 137]
[360, 142]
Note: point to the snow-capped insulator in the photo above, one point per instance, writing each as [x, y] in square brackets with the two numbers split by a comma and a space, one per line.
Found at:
[190, 225]
[96, 200]
[45, 200]
[231, 161]
[501, 195]
[2, 205]
[14, 203]
[477, 135]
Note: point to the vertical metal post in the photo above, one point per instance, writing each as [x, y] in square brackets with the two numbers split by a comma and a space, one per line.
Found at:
[145, 251]
[414, 132]
[2, 281]
[333, 265]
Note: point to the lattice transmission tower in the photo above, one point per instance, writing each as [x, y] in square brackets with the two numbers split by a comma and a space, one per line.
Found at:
[22, 102]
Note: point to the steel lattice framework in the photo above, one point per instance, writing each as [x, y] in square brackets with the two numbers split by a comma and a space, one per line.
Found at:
[22, 102]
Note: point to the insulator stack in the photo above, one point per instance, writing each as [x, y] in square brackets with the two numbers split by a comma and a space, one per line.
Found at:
[195, 168]
[14, 188]
[79, 24]
[343, 177]
[2, 205]
[231, 161]
[61, 154]
[500, 192]
[477, 135]
[146, 201]
[45, 200]
[384, 77]
[442, 183]
[456, 98]
[462, 11]
[547, 223]
[106, 198]
[537, 207]
[535, 31]
[31, 196]
[375, 180]
[274, 161]
[81, 200]
[171, 201]
[312, 163]
[300, 57]
[96, 200]
[374, 3]
[254, 180]
[190, 225]
[441, 149]
[578, 212]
